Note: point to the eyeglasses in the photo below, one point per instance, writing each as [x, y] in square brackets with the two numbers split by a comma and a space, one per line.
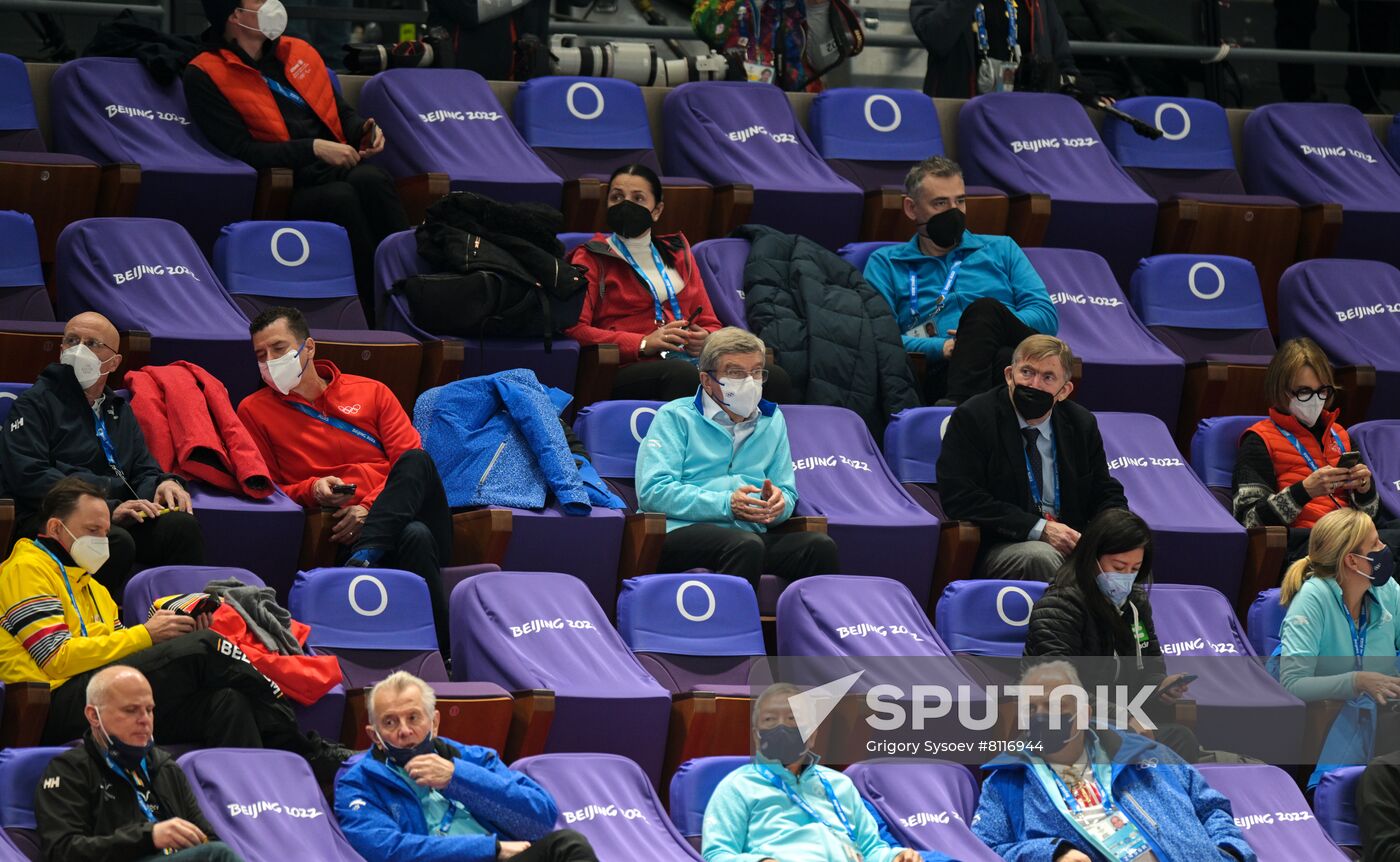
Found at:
[1303, 393]
[70, 341]
[737, 374]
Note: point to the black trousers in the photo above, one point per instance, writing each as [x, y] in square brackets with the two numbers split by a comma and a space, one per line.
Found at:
[669, 379]
[203, 698]
[410, 521]
[732, 551]
[362, 200]
[173, 539]
[987, 336]
[562, 845]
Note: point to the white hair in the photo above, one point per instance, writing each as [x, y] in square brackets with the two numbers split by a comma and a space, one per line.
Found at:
[395, 683]
[1059, 668]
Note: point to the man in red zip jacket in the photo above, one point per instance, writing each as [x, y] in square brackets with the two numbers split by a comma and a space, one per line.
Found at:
[342, 442]
[266, 99]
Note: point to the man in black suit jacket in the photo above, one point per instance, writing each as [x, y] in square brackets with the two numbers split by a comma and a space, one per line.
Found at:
[1026, 465]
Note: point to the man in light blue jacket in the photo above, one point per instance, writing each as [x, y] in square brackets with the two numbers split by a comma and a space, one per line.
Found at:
[719, 467]
[417, 796]
[963, 300]
[784, 806]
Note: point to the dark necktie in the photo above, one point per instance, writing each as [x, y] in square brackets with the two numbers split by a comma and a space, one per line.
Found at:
[1032, 435]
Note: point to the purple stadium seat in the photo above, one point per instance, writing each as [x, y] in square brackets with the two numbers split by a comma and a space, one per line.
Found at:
[742, 132]
[112, 111]
[1125, 367]
[20, 771]
[1335, 804]
[876, 524]
[1327, 154]
[9, 852]
[1197, 542]
[1045, 142]
[19, 122]
[22, 293]
[148, 274]
[1213, 449]
[1265, 621]
[1350, 308]
[1379, 443]
[612, 802]
[987, 617]
[692, 631]
[573, 239]
[1271, 812]
[1203, 307]
[1192, 156]
[1236, 698]
[300, 263]
[397, 259]
[448, 121]
[857, 253]
[148, 585]
[691, 788]
[721, 263]
[854, 615]
[544, 630]
[377, 621]
[928, 805]
[265, 804]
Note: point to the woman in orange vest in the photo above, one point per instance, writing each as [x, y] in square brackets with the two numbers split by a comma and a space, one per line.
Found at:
[1292, 468]
[267, 99]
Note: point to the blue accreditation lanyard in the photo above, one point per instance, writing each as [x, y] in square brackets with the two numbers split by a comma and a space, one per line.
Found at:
[140, 798]
[105, 439]
[981, 15]
[665, 279]
[286, 91]
[1312, 465]
[942, 294]
[807, 808]
[1034, 480]
[1358, 631]
[63, 572]
[445, 825]
[336, 423]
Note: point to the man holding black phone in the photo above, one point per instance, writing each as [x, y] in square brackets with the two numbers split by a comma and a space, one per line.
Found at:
[344, 444]
[267, 99]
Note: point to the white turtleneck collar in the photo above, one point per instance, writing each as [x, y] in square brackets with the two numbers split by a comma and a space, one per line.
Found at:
[636, 244]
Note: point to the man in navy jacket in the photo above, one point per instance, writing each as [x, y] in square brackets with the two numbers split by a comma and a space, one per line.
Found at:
[418, 796]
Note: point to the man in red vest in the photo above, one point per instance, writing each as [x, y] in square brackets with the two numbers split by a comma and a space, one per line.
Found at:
[267, 99]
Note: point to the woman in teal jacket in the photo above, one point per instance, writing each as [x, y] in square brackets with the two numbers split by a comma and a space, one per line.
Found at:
[1342, 632]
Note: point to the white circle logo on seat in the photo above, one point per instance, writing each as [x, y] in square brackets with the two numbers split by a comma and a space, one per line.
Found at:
[1210, 267]
[10, 395]
[383, 595]
[943, 426]
[1001, 606]
[680, 601]
[870, 114]
[592, 88]
[305, 246]
[633, 423]
[1185, 121]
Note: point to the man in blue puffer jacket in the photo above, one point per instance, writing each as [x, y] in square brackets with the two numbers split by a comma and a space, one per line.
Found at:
[415, 795]
[1095, 796]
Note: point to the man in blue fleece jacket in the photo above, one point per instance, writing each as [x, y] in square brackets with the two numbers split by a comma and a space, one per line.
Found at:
[418, 796]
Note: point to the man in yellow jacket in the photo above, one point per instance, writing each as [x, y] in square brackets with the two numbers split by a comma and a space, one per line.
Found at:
[60, 626]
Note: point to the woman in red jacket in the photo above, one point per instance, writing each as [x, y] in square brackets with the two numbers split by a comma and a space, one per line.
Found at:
[646, 296]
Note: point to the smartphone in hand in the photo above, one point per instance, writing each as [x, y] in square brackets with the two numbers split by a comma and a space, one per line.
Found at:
[344, 489]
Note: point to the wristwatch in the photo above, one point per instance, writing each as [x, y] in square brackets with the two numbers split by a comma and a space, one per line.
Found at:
[642, 348]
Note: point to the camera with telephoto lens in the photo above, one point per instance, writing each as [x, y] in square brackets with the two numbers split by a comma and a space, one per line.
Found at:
[433, 51]
[632, 61]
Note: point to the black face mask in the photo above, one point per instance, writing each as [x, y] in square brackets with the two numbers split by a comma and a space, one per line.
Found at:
[1030, 402]
[126, 755]
[946, 228]
[782, 743]
[401, 756]
[628, 219]
[1382, 566]
[1050, 739]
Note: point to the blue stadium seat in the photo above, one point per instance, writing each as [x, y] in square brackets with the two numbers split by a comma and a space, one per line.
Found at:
[857, 253]
[987, 617]
[691, 788]
[1265, 621]
[20, 771]
[1335, 804]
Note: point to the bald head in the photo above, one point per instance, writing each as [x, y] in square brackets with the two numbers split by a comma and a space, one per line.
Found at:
[120, 705]
[99, 336]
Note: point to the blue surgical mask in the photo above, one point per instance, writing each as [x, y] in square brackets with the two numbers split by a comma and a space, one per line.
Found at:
[401, 756]
[1116, 586]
